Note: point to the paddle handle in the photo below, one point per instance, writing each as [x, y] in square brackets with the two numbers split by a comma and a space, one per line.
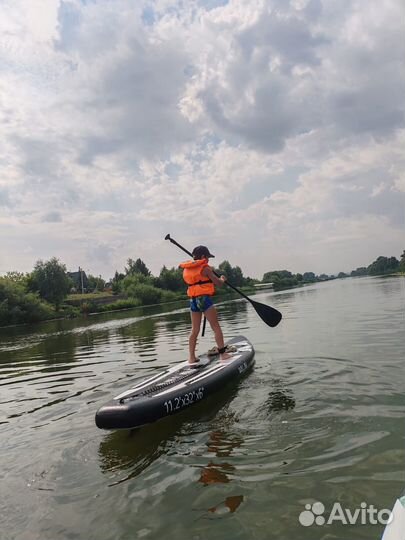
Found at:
[167, 237]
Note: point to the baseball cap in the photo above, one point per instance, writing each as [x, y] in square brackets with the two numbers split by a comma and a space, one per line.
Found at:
[201, 252]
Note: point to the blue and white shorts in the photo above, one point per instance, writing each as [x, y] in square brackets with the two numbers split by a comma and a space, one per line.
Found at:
[201, 303]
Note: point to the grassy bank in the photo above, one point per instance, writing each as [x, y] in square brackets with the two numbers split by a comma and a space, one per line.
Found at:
[21, 308]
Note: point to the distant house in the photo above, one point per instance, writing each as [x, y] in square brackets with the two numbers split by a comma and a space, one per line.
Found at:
[80, 281]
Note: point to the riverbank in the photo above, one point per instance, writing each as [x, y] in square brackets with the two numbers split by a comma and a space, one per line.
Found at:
[29, 309]
[80, 305]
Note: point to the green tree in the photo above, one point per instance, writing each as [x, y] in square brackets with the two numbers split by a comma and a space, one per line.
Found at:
[136, 267]
[171, 279]
[17, 306]
[383, 265]
[132, 281]
[276, 275]
[51, 281]
[233, 273]
[95, 283]
[116, 282]
[342, 275]
[361, 271]
[141, 288]
[281, 279]
[17, 277]
[402, 262]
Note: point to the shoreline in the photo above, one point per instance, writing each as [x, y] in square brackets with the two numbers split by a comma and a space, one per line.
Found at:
[223, 294]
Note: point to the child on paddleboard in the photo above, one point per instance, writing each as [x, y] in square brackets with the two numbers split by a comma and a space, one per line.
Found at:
[201, 282]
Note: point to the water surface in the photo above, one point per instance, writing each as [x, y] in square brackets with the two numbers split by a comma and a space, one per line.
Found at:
[320, 418]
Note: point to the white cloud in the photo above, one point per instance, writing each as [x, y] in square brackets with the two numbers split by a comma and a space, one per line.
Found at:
[269, 130]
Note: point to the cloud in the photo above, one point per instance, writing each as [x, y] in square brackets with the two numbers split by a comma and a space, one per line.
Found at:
[261, 128]
[285, 72]
[52, 217]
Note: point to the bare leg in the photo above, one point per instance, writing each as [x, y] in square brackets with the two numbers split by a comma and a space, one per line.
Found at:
[195, 330]
[212, 318]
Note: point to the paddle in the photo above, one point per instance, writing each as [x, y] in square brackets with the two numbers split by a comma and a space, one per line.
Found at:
[268, 314]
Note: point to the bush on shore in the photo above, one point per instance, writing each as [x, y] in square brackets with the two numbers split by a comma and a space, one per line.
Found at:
[17, 306]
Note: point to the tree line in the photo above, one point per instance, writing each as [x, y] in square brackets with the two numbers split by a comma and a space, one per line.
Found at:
[42, 294]
[283, 279]
[137, 281]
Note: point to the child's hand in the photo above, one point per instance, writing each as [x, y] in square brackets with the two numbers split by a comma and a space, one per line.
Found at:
[223, 278]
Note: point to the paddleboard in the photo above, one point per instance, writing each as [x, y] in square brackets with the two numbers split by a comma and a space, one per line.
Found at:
[176, 388]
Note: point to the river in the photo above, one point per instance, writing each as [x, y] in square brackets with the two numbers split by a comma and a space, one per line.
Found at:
[319, 419]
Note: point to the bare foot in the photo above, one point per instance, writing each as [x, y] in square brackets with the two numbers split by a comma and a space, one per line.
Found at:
[225, 356]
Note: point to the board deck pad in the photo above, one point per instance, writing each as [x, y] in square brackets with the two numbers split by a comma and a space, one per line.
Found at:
[168, 378]
[175, 388]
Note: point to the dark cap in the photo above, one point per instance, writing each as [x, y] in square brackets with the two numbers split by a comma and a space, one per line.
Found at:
[201, 252]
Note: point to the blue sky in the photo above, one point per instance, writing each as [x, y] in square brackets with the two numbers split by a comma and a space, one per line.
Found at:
[271, 131]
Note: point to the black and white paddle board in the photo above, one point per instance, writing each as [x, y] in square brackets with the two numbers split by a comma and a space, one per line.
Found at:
[174, 389]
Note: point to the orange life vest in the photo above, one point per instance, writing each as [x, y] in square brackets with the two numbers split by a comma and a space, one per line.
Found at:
[198, 284]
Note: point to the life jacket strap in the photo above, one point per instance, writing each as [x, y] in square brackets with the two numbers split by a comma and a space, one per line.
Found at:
[201, 282]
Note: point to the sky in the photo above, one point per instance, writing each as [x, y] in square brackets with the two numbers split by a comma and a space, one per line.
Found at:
[271, 131]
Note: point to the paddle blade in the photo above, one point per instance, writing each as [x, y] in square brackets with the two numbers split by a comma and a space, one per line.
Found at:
[268, 314]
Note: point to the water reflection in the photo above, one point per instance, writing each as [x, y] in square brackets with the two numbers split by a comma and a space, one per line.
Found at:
[228, 506]
[234, 312]
[60, 349]
[279, 399]
[216, 473]
[46, 356]
[384, 284]
[222, 445]
[142, 334]
[134, 451]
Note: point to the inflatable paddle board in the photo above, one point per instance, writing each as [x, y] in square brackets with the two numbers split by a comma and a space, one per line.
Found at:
[176, 388]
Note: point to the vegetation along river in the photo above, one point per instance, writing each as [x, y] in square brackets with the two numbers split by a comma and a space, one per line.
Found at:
[319, 419]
